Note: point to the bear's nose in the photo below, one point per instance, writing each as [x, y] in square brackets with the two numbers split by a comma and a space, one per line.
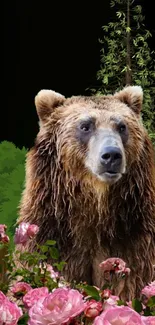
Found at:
[111, 157]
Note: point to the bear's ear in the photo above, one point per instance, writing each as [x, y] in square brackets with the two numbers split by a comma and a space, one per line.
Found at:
[132, 96]
[45, 101]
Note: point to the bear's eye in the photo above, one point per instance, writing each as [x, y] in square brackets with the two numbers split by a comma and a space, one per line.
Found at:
[85, 127]
[122, 128]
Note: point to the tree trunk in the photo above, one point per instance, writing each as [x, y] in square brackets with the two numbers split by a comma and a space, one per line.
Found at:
[128, 57]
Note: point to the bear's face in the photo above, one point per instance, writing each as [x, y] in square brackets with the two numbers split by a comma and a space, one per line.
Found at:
[97, 137]
[105, 135]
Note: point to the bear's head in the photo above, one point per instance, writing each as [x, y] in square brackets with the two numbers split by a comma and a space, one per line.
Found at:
[96, 137]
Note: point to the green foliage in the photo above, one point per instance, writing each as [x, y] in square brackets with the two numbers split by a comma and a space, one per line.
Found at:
[12, 173]
[137, 305]
[60, 265]
[151, 302]
[34, 270]
[23, 320]
[90, 291]
[127, 59]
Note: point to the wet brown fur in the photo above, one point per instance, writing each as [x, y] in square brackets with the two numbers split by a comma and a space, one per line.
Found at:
[90, 220]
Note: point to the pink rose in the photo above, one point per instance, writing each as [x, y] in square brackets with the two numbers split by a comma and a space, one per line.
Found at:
[110, 302]
[21, 287]
[114, 264]
[9, 311]
[24, 232]
[54, 275]
[149, 290]
[150, 320]
[32, 230]
[33, 295]
[57, 308]
[106, 293]
[21, 236]
[2, 228]
[4, 238]
[93, 308]
[119, 315]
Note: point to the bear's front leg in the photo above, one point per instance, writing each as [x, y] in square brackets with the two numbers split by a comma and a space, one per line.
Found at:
[141, 275]
[105, 274]
[78, 267]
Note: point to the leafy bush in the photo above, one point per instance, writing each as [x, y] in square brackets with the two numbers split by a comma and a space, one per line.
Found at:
[12, 174]
[126, 57]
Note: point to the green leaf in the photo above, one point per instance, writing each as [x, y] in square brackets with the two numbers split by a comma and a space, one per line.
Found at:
[147, 311]
[137, 305]
[119, 14]
[105, 28]
[121, 303]
[31, 262]
[60, 265]
[42, 257]
[50, 242]
[124, 69]
[105, 79]
[151, 302]
[44, 248]
[138, 9]
[54, 253]
[112, 3]
[118, 32]
[37, 279]
[128, 29]
[23, 320]
[91, 291]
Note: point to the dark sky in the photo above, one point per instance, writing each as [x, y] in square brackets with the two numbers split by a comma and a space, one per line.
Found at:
[50, 45]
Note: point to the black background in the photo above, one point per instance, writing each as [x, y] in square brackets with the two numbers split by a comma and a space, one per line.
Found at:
[50, 45]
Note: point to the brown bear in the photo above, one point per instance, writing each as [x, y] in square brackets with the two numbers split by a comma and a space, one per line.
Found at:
[90, 185]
